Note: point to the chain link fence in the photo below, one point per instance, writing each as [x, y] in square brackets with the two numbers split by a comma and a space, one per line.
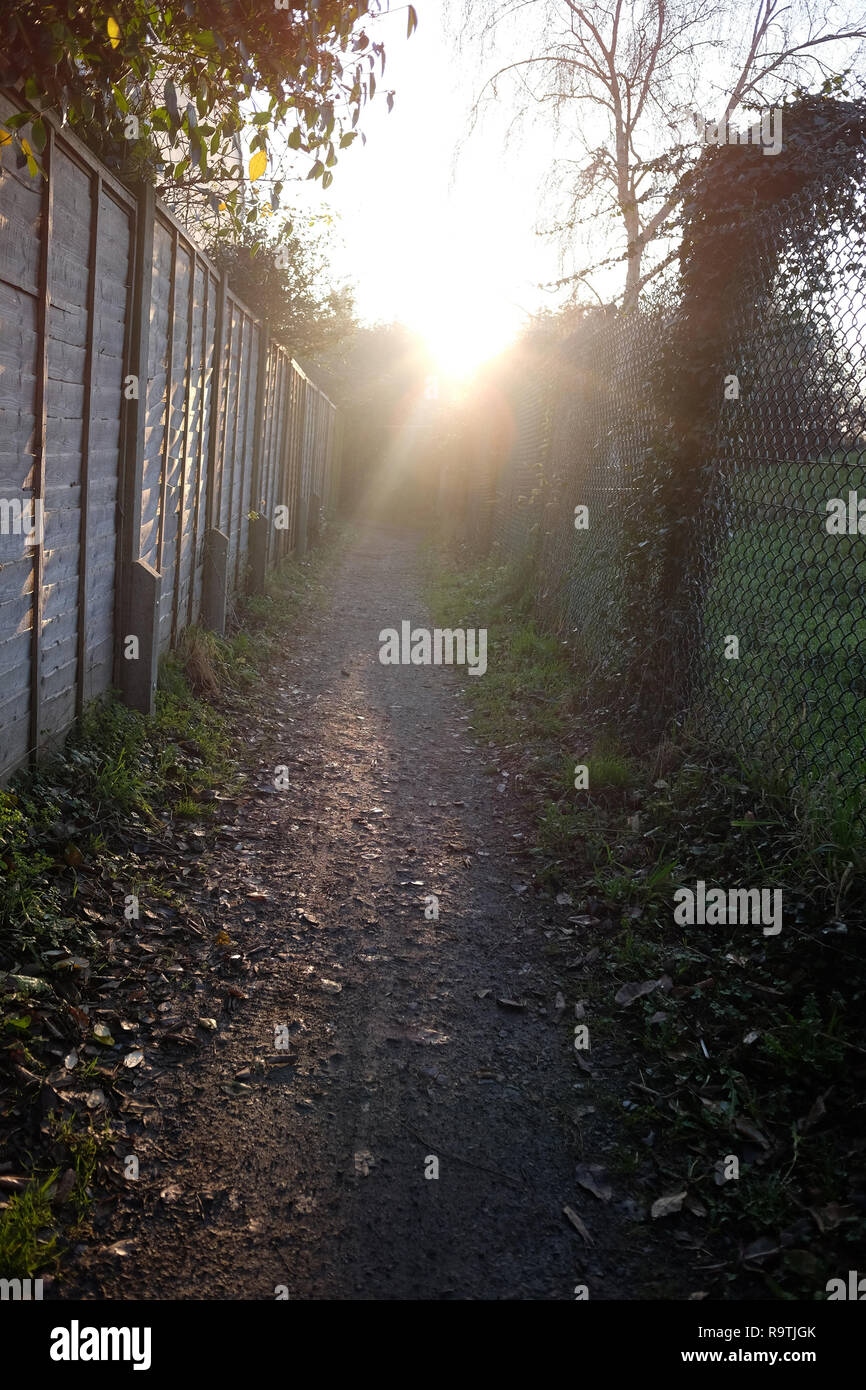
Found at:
[741, 612]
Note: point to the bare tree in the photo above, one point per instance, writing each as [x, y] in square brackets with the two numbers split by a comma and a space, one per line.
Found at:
[630, 85]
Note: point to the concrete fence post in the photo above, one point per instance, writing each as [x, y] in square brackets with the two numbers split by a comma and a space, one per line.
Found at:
[140, 642]
[215, 581]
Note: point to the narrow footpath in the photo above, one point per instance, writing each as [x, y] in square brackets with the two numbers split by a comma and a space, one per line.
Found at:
[361, 1046]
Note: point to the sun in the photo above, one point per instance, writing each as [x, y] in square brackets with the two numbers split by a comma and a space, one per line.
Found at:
[461, 337]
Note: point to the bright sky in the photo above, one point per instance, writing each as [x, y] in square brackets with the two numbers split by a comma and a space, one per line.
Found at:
[437, 230]
[440, 246]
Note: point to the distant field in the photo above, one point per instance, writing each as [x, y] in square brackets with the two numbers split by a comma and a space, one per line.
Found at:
[795, 596]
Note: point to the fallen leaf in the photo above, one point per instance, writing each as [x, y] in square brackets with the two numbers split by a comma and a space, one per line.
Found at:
[751, 1131]
[589, 1175]
[829, 1217]
[629, 993]
[816, 1113]
[122, 1248]
[669, 1204]
[578, 1225]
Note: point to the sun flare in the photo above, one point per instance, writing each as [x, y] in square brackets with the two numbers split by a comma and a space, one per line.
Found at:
[461, 338]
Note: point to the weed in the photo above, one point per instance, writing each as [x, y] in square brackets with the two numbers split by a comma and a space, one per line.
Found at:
[27, 1244]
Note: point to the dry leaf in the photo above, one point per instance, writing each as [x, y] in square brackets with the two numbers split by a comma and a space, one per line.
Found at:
[589, 1175]
[668, 1205]
[629, 993]
[751, 1131]
[578, 1224]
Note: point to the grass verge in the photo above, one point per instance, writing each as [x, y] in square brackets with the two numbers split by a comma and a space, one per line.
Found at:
[743, 1056]
[120, 814]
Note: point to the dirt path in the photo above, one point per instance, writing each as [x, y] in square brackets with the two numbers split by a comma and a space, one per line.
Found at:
[311, 1173]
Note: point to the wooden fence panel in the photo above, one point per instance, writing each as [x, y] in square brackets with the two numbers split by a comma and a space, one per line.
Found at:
[208, 426]
[113, 282]
[20, 253]
[177, 368]
[155, 394]
[124, 477]
[251, 424]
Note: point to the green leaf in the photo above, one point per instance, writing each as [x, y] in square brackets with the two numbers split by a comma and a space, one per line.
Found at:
[294, 141]
[327, 179]
[317, 170]
[38, 136]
